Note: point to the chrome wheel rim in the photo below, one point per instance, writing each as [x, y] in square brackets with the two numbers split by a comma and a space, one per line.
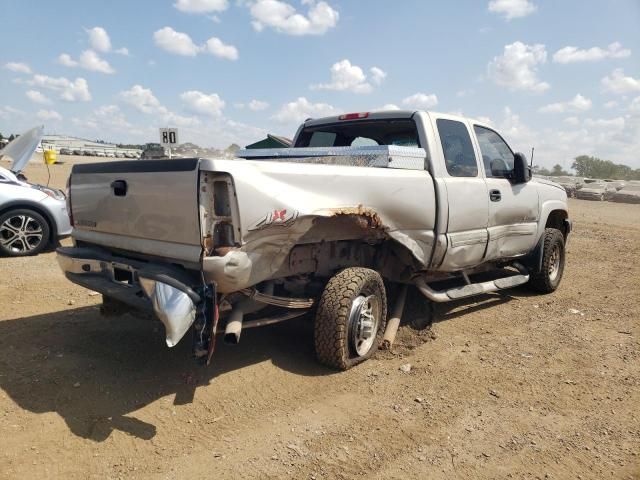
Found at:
[554, 263]
[364, 320]
[20, 233]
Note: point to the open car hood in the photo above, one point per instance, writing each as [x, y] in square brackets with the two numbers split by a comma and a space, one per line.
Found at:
[20, 150]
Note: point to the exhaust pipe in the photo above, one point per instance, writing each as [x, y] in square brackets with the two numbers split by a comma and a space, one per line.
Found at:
[236, 317]
[234, 325]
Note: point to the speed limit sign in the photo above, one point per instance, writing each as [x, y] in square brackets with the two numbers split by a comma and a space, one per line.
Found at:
[168, 137]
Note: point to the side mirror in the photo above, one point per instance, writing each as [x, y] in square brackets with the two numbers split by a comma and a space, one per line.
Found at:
[521, 169]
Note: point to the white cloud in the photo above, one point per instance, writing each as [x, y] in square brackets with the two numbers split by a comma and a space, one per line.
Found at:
[175, 42]
[346, 77]
[37, 97]
[617, 123]
[203, 104]
[122, 51]
[576, 104]
[181, 44]
[143, 100]
[99, 39]
[377, 75]
[634, 106]
[387, 106]
[517, 67]
[284, 18]
[421, 101]
[301, 109]
[617, 82]
[66, 60]
[140, 98]
[70, 91]
[610, 104]
[218, 48]
[89, 60]
[48, 115]
[18, 67]
[257, 105]
[511, 9]
[201, 6]
[573, 121]
[574, 54]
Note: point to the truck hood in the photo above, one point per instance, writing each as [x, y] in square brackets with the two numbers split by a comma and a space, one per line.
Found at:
[548, 182]
[20, 150]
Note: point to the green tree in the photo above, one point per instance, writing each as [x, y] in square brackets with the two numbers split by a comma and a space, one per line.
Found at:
[557, 170]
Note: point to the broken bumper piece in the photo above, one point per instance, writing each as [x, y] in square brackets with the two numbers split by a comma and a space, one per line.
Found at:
[159, 288]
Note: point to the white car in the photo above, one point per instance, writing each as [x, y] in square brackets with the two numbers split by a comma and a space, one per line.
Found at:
[32, 217]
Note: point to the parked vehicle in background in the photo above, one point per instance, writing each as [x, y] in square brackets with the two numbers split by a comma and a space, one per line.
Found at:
[629, 194]
[120, 154]
[153, 151]
[99, 153]
[568, 183]
[618, 184]
[110, 154]
[65, 151]
[129, 155]
[280, 233]
[87, 153]
[598, 190]
[32, 216]
[78, 152]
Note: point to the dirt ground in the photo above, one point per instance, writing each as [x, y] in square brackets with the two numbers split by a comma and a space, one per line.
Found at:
[503, 386]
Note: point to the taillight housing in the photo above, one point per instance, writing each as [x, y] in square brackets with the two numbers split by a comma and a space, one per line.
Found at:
[68, 200]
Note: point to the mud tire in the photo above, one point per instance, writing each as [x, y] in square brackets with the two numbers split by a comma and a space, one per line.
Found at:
[331, 329]
[544, 281]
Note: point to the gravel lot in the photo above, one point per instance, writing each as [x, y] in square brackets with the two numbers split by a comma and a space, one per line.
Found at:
[502, 386]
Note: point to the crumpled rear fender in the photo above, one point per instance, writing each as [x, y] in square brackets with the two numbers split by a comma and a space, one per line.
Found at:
[267, 249]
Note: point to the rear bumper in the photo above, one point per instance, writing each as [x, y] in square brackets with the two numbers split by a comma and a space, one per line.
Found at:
[166, 290]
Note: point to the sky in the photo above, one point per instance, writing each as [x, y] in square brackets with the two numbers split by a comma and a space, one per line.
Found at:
[562, 76]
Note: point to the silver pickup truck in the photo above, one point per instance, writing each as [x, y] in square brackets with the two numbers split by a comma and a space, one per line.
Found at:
[361, 205]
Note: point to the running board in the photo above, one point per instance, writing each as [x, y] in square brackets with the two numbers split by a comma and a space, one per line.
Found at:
[470, 290]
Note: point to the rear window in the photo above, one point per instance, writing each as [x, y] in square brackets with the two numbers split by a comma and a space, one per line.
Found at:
[401, 132]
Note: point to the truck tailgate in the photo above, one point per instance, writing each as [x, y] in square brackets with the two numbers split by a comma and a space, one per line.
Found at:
[144, 206]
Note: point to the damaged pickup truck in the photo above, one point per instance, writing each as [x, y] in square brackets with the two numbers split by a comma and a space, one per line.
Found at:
[361, 204]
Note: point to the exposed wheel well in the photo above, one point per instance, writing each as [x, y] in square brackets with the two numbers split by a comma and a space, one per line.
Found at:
[556, 220]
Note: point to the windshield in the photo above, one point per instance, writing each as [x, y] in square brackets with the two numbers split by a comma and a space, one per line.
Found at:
[401, 132]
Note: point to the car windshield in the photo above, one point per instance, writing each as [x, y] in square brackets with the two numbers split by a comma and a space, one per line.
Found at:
[401, 132]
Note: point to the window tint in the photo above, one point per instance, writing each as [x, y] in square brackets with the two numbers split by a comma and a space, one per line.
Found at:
[458, 150]
[322, 139]
[373, 132]
[496, 154]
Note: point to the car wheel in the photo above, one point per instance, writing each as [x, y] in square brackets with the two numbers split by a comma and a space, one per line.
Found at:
[553, 259]
[23, 232]
[351, 318]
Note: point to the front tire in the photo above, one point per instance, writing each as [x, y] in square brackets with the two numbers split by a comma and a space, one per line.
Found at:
[548, 278]
[351, 318]
[23, 232]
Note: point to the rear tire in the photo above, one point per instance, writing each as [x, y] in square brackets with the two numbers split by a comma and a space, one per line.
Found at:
[23, 232]
[351, 318]
[553, 259]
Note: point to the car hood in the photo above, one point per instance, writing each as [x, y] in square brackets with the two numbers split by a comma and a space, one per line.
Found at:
[20, 150]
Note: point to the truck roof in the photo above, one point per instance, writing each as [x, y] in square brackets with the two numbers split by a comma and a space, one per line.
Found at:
[382, 115]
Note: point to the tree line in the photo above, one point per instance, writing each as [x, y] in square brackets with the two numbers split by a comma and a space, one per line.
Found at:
[593, 167]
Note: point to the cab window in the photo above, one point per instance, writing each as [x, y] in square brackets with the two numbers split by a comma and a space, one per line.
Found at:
[497, 157]
[458, 151]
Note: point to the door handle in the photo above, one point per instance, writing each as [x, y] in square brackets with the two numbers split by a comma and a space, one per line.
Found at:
[495, 195]
[119, 188]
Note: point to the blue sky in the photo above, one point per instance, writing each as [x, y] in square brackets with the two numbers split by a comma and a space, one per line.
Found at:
[563, 76]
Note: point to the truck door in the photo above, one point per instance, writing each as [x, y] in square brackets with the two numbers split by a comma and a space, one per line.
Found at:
[513, 209]
[467, 196]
